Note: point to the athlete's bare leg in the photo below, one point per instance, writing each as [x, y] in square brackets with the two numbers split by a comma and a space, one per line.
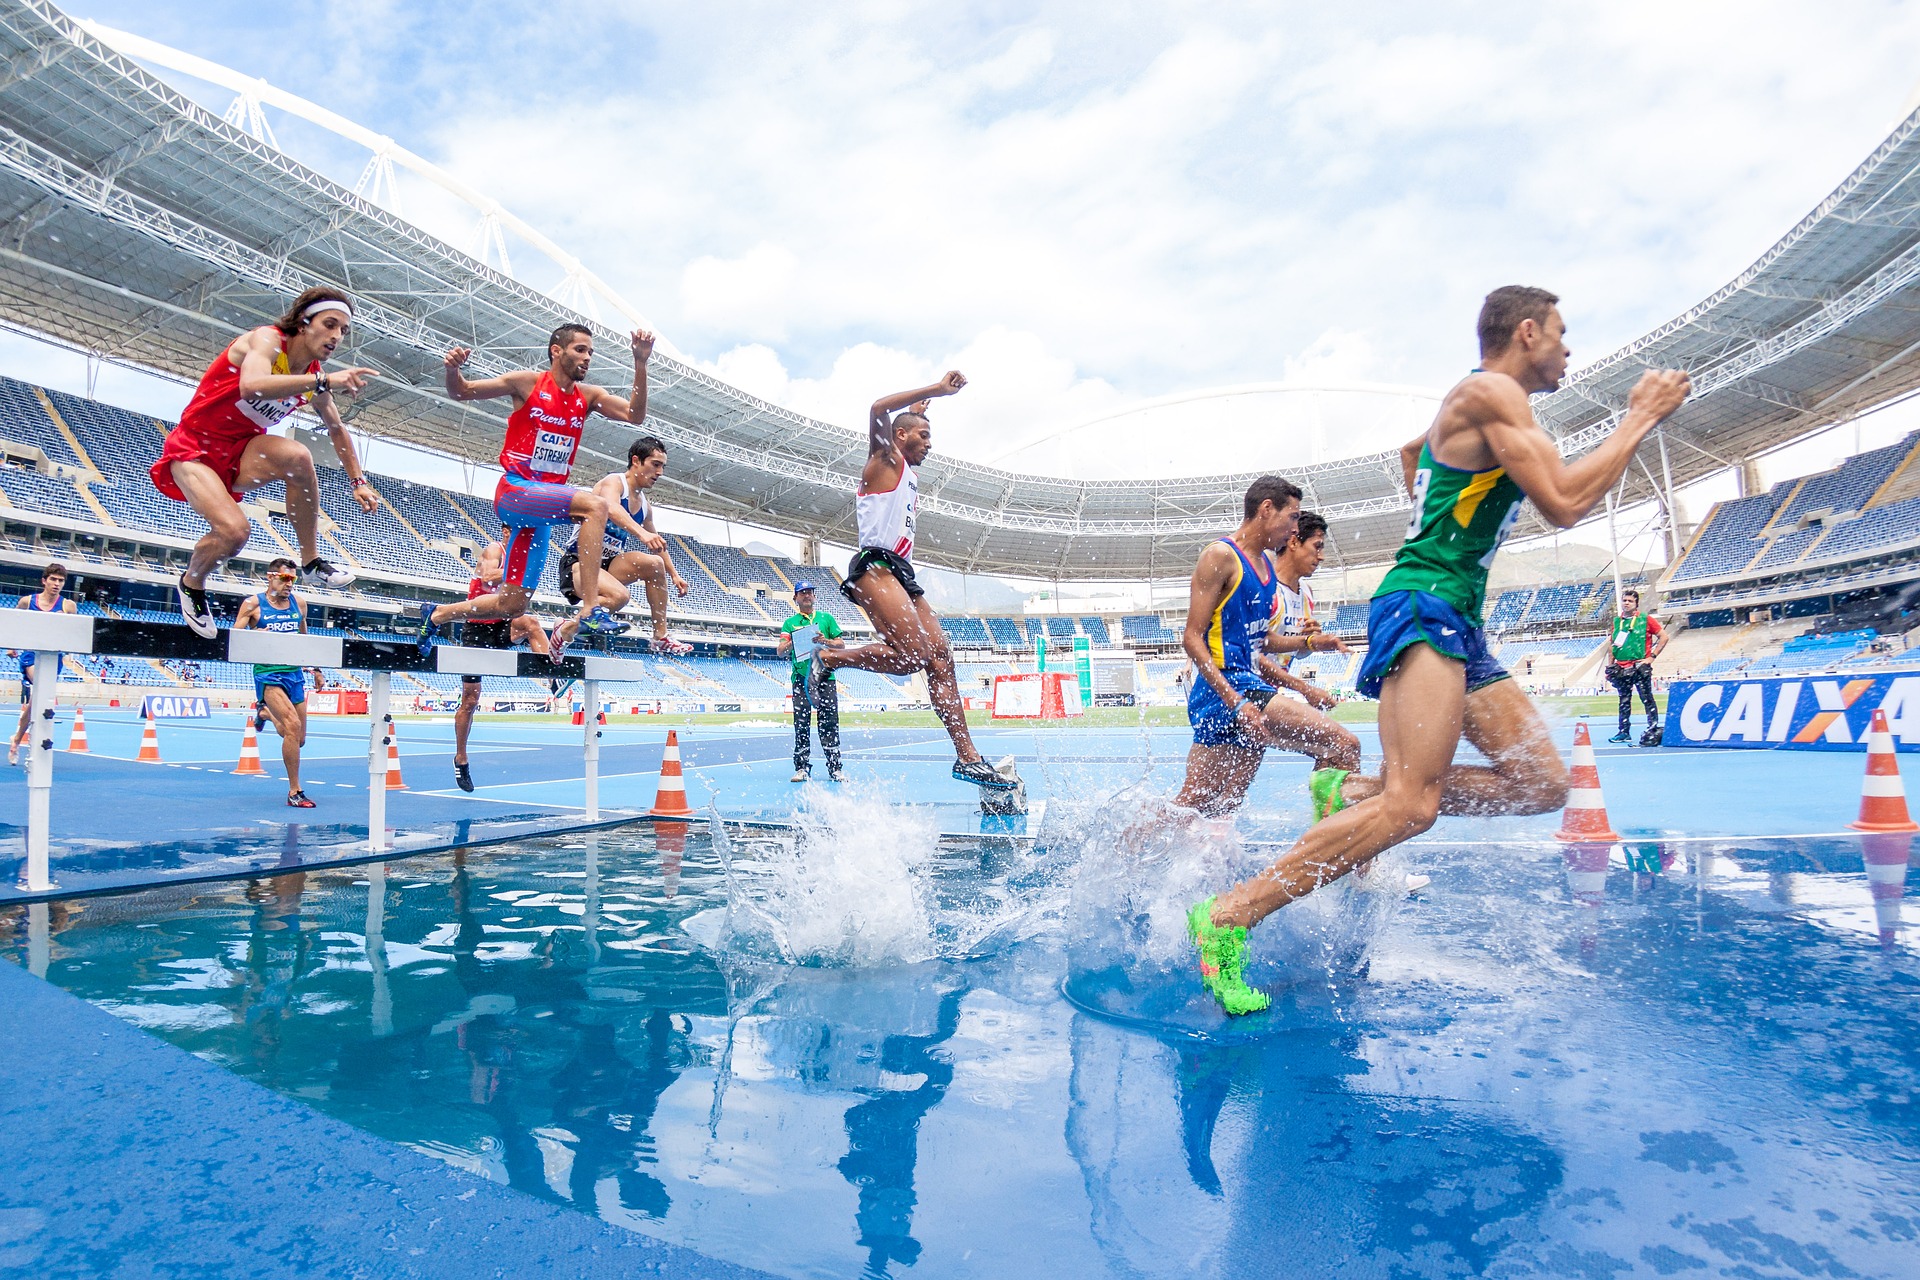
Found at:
[613, 596]
[20, 732]
[508, 601]
[1524, 773]
[651, 572]
[590, 509]
[291, 721]
[528, 631]
[1295, 726]
[1218, 778]
[463, 720]
[910, 640]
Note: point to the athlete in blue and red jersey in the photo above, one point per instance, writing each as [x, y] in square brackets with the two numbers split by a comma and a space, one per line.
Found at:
[550, 409]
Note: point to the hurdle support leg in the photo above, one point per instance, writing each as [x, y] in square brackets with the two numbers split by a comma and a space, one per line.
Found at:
[590, 747]
[379, 734]
[39, 876]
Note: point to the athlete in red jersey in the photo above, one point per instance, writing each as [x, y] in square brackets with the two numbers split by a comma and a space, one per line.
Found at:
[550, 409]
[524, 629]
[221, 449]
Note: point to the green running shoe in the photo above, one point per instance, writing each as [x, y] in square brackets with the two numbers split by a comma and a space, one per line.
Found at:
[1325, 786]
[1223, 961]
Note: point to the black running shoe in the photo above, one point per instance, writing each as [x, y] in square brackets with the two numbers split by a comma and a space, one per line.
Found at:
[983, 775]
[298, 800]
[260, 720]
[463, 777]
[428, 628]
[324, 573]
[195, 610]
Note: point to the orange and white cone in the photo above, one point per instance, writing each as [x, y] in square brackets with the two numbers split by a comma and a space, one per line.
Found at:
[149, 745]
[393, 766]
[670, 840]
[1886, 855]
[1883, 799]
[671, 800]
[78, 742]
[250, 752]
[1585, 818]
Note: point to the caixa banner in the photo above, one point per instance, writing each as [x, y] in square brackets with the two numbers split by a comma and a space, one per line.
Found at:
[1808, 713]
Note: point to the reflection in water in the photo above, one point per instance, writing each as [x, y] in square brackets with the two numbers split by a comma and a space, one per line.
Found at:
[1519, 1085]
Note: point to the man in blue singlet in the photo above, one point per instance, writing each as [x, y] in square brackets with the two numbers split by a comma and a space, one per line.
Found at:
[282, 690]
[633, 551]
[53, 581]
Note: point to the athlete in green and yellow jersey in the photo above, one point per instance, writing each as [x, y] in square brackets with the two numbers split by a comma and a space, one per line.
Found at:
[1427, 658]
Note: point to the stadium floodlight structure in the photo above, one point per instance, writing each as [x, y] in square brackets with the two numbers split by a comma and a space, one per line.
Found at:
[143, 227]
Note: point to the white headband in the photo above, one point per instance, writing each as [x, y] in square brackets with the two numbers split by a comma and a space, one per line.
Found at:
[327, 304]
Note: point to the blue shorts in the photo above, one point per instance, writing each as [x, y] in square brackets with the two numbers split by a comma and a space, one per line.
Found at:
[1402, 618]
[528, 508]
[1213, 724]
[293, 683]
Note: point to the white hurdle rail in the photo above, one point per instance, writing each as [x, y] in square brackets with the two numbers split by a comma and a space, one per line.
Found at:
[49, 634]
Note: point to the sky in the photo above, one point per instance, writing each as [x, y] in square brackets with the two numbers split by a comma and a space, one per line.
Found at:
[1083, 206]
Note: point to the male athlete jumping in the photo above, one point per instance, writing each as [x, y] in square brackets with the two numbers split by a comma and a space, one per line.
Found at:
[550, 408]
[221, 450]
[1427, 658]
[880, 578]
[629, 521]
[480, 633]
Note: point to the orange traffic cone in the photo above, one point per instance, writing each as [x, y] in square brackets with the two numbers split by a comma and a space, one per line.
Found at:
[393, 766]
[249, 752]
[78, 742]
[670, 840]
[149, 744]
[1883, 800]
[671, 800]
[1585, 818]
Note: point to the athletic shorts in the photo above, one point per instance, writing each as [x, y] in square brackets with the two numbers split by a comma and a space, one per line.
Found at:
[27, 663]
[899, 566]
[570, 558]
[528, 509]
[1216, 726]
[292, 683]
[1402, 618]
[222, 453]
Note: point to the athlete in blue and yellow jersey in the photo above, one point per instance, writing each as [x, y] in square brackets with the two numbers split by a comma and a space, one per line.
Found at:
[1426, 655]
[281, 690]
[1230, 614]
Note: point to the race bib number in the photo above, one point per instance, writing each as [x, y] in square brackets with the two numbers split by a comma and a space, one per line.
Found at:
[268, 414]
[552, 452]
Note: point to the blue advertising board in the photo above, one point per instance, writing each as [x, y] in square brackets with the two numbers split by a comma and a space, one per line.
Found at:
[1799, 713]
[176, 706]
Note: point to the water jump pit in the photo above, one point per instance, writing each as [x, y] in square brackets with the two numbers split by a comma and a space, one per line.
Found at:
[847, 1030]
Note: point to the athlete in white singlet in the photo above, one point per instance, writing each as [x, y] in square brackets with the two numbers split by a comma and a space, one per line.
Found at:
[634, 550]
[50, 599]
[880, 579]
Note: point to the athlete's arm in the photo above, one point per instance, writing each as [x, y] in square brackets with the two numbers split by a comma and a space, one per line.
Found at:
[666, 556]
[329, 413]
[255, 352]
[634, 407]
[1212, 580]
[518, 383]
[302, 610]
[1659, 639]
[1410, 458]
[249, 614]
[882, 471]
[1564, 492]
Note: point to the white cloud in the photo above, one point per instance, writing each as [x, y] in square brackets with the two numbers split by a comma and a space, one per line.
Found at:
[750, 295]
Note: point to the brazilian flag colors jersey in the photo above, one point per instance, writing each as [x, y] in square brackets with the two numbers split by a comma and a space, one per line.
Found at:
[1460, 518]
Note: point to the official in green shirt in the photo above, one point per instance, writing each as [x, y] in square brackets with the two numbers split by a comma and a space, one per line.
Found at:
[1635, 642]
[826, 699]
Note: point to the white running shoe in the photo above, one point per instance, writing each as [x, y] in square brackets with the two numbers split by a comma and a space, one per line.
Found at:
[1415, 883]
[801, 775]
[195, 610]
[324, 573]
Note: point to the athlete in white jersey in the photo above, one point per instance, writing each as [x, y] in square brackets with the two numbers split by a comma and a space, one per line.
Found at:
[880, 580]
[633, 551]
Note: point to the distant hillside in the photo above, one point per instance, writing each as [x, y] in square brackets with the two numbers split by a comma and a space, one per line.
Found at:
[1570, 562]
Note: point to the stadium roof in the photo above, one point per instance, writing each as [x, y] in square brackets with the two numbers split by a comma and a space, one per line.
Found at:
[140, 226]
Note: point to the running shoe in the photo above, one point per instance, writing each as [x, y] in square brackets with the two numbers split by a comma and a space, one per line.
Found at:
[801, 775]
[463, 777]
[602, 623]
[259, 719]
[1326, 787]
[1622, 736]
[324, 573]
[298, 800]
[1223, 961]
[983, 775]
[670, 647]
[1415, 883]
[834, 775]
[195, 610]
[13, 753]
[428, 628]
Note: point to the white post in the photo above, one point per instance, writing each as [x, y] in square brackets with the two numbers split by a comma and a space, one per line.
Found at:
[39, 875]
[379, 734]
[590, 747]
[1613, 544]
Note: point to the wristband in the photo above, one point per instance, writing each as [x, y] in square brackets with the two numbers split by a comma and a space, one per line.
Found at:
[361, 483]
[320, 384]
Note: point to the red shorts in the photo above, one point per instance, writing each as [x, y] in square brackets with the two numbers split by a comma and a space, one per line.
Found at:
[222, 453]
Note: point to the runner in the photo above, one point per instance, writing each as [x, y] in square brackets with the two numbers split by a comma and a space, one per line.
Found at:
[550, 408]
[1427, 658]
[480, 633]
[629, 520]
[221, 451]
[281, 690]
[53, 581]
[880, 579]
[1226, 755]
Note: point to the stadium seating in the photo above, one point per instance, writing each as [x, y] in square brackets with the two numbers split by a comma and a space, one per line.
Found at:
[1560, 603]
[966, 632]
[1726, 542]
[1146, 629]
[1059, 628]
[1847, 487]
[1006, 633]
[1508, 608]
[1880, 527]
[1095, 630]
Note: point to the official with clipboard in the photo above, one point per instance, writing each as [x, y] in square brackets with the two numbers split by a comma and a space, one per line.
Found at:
[807, 630]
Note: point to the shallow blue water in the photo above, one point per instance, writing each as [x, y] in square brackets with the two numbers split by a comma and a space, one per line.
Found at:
[1550, 1062]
